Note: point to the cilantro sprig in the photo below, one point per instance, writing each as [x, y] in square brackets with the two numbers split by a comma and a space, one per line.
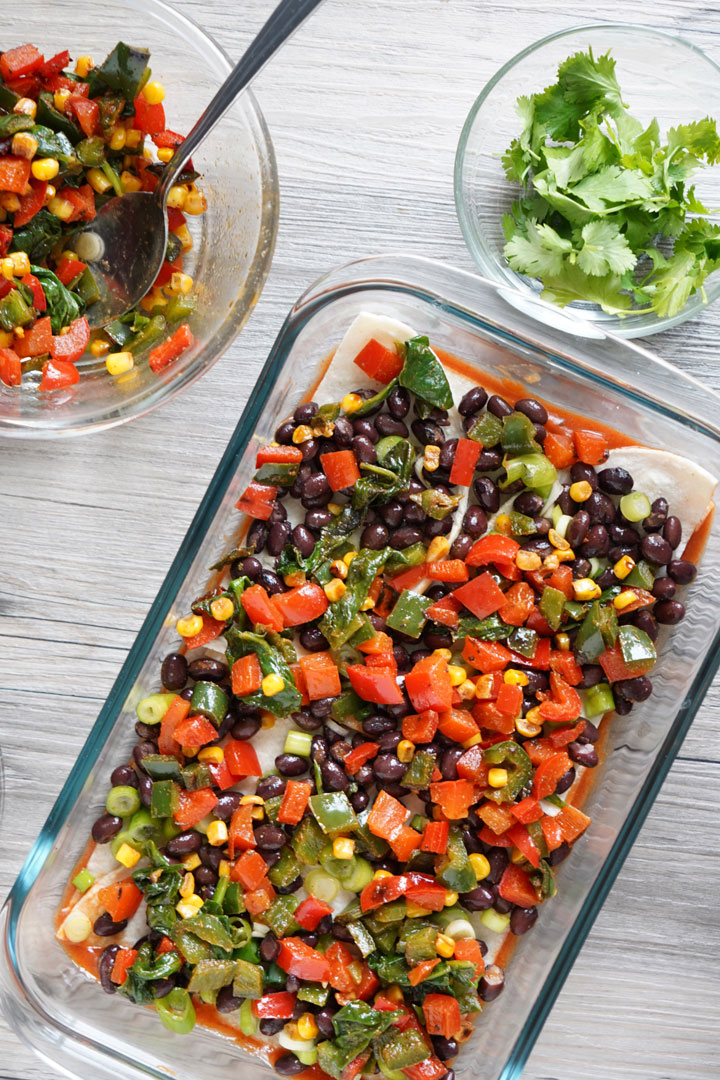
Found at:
[607, 213]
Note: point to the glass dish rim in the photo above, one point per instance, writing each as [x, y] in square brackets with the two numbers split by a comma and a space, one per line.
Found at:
[339, 283]
[474, 239]
[252, 287]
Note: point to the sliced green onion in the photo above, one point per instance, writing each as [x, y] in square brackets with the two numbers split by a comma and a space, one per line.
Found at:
[122, 801]
[599, 699]
[360, 876]
[307, 1057]
[204, 825]
[152, 709]
[122, 837]
[635, 506]
[298, 1046]
[561, 525]
[459, 930]
[390, 1074]
[248, 1021]
[494, 921]
[298, 742]
[321, 885]
[597, 566]
[556, 515]
[176, 1011]
[83, 880]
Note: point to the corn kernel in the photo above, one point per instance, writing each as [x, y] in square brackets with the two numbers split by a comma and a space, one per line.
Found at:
[394, 993]
[252, 800]
[533, 715]
[515, 677]
[77, 927]
[367, 605]
[564, 555]
[60, 99]
[189, 626]
[297, 577]
[586, 589]
[217, 833]
[480, 865]
[557, 540]
[528, 560]
[623, 567]
[183, 234]
[451, 898]
[224, 868]
[187, 885]
[431, 458]
[24, 145]
[379, 875]
[46, 168]
[98, 181]
[343, 847]
[165, 153]
[25, 106]
[351, 403]
[180, 284]
[50, 193]
[438, 548]
[154, 93]
[474, 740]
[120, 362]
[306, 1026]
[118, 138]
[405, 751]
[466, 690]
[216, 754]
[580, 491]
[10, 202]
[444, 654]
[335, 589]
[6, 268]
[457, 674]
[516, 856]
[186, 910]
[129, 181]
[503, 524]
[190, 751]
[267, 720]
[195, 901]
[6, 339]
[552, 561]
[191, 862]
[349, 556]
[83, 65]
[334, 508]
[526, 728]
[562, 641]
[177, 196]
[127, 855]
[498, 778]
[339, 569]
[21, 263]
[624, 599]
[222, 609]
[444, 946]
[195, 203]
[272, 684]
[302, 433]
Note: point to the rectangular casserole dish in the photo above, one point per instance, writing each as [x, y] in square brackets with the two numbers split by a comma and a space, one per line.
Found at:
[50, 1002]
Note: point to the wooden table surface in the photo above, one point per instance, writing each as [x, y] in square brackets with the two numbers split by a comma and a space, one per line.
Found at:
[365, 108]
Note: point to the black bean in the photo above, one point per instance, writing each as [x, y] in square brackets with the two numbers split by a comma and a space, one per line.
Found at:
[682, 571]
[581, 568]
[334, 776]
[344, 431]
[447, 454]
[600, 508]
[583, 754]
[147, 732]
[360, 799]
[615, 481]
[448, 763]
[577, 530]
[210, 856]
[623, 705]
[375, 536]
[123, 776]
[306, 721]
[478, 899]
[427, 433]
[269, 787]
[291, 764]
[226, 1002]
[278, 513]
[377, 724]
[489, 461]
[436, 637]
[388, 767]
[398, 402]
[392, 513]
[645, 621]
[657, 516]
[324, 1021]
[271, 1025]
[656, 550]
[537, 680]
[173, 672]
[433, 528]
[316, 486]
[304, 473]
[488, 494]
[366, 428]
[566, 504]
[245, 727]
[145, 788]
[580, 471]
[278, 537]
[473, 401]
[341, 933]
[252, 567]
[620, 534]
[637, 689]
[498, 859]
[304, 414]
[540, 433]
[284, 433]
[105, 966]
[590, 733]
[105, 927]
[389, 741]
[390, 425]
[444, 1048]
[592, 675]
[270, 837]
[669, 612]
[309, 449]
[271, 582]
[106, 826]
[491, 985]
[501, 905]
[318, 519]
[596, 543]
[322, 707]
[257, 535]
[184, 844]
[227, 803]
[522, 920]
[533, 409]
[208, 669]
[205, 876]
[498, 406]
[461, 547]
[672, 531]
[474, 522]
[559, 854]
[664, 588]
[288, 1064]
[405, 536]
[303, 540]
[340, 749]
[528, 503]
[414, 514]
[565, 782]
[606, 580]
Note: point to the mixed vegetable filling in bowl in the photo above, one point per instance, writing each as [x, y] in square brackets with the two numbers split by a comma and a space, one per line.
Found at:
[69, 142]
[369, 756]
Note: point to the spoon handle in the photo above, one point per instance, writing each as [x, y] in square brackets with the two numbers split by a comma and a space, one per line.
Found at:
[287, 17]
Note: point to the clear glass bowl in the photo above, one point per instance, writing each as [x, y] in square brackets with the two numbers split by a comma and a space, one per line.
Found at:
[234, 240]
[660, 75]
[62, 1013]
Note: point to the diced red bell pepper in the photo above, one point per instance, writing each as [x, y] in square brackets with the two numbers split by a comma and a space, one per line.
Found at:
[69, 269]
[339, 960]
[457, 724]
[57, 374]
[14, 174]
[616, 669]
[428, 684]
[536, 622]
[468, 949]
[294, 801]
[559, 449]
[567, 735]
[423, 890]
[405, 842]
[6, 235]
[23, 60]
[241, 836]
[121, 900]
[540, 659]
[488, 837]
[260, 899]
[278, 455]
[71, 346]
[194, 806]
[472, 766]
[420, 728]
[322, 678]
[195, 731]
[83, 201]
[442, 1015]
[149, 118]
[301, 605]
[124, 960]
[169, 350]
[277, 1006]
[378, 362]
[30, 204]
[564, 705]
[519, 602]
[431, 1068]
[417, 974]
[387, 816]
[517, 888]
[435, 837]
[447, 570]
[408, 579]
[222, 778]
[466, 457]
[498, 818]
[379, 644]
[552, 833]
[341, 469]
[298, 958]
[572, 822]
[211, 629]
[482, 596]
[486, 656]
[176, 218]
[310, 912]
[250, 870]
[445, 611]
[39, 303]
[564, 664]
[375, 685]
[490, 718]
[548, 774]
[562, 579]
[539, 750]
[527, 810]
[247, 675]
[523, 841]
[54, 65]
[510, 700]
[257, 501]
[168, 140]
[454, 797]
[493, 548]
[174, 716]
[87, 113]
[241, 758]
[258, 608]
[60, 81]
[166, 945]
[10, 367]
[591, 447]
[359, 756]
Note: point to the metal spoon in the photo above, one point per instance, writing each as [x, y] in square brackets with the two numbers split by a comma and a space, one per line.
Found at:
[125, 243]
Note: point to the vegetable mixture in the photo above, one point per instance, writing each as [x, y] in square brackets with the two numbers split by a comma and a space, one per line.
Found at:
[608, 213]
[69, 142]
[433, 626]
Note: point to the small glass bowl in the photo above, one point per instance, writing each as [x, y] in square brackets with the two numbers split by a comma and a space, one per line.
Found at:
[233, 240]
[660, 75]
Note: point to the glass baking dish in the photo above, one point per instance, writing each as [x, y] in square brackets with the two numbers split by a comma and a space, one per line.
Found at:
[50, 1002]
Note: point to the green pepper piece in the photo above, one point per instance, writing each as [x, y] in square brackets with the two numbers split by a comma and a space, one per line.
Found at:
[307, 841]
[196, 776]
[405, 558]
[575, 610]
[419, 771]
[487, 429]
[351, 913]
[408, 615]
[377, 399]
[280, 916]
[386, 936]
[372, 844]
[518, 435]
[535, 471]
[87, 288]
[401, 1049]
[90, 152]
[362, 938]
[436, 504]
[176, 1011]
[209, 700]
[48, 116]
[333, 812]
[366, 633]
[272, 662]
[250, 951]
[211, 975]
[314, 994]
[340, 621]
[598, 631]
[8, 98]
[110, 107]
[123, 70]
[14, 311]
[180, 308]
[454, 868]
[552, 606]
[490, 629]
[641, 576]
[598, 700]
[164, 798]
[13, 123]
[419, 939]
[248, 981]
[637, 649]
[524, 641]
[286, 869]
[515, 760]
[154, 329]
[278, 474]
[521, 524]
[272, 807]
[393, 912]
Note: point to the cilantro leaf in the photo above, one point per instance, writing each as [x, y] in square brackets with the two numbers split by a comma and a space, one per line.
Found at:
[575, 285]
[699, 138]
[605, 249]
[585, 81]
[612, 186]
[539, 251]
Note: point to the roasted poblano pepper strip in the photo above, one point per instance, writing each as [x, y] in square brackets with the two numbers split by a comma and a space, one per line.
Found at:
[535, 471]
[209, 700]
[122, 70]
[248, 981]
[552, 606]
[487, 429]
[403, 559]
[342, 619]
[314, 994]
[423, 374]
[164, 798]
[307, 841]
[641, 576]
[14, 311]
[419, 941]
[51, 117]
[349, 709]
[362, 937]
[408, 615]
[155, 329]
[211, 975]
[374, 845]
[637, 648]
[162, 767]
[13, 123]
[437, 504]
[196, 776]
[286, 869]
[454, 868]
[280, 916]
[272, 662]
[524, 641]
[512, 757]
[420, 770]
[279, 474]
[518, 435]
[598, 631]
[401, 1049]
[490, 629]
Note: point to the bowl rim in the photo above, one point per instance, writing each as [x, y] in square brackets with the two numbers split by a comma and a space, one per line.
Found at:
[474, 239]
[112, 415]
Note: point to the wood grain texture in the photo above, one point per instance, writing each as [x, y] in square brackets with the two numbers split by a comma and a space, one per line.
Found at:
[365, 109]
